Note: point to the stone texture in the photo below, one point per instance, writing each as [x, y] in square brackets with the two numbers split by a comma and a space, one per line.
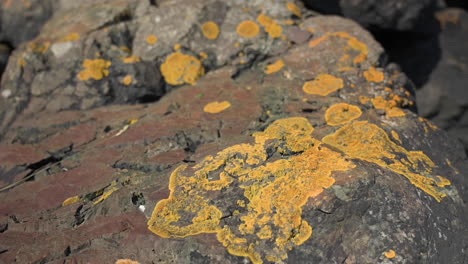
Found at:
[444, 98]
[95, 174]
[412, 15]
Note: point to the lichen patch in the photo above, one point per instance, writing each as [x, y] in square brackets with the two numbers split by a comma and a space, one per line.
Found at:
[270, 212]
[216, 107]
[151, 39]
[274, 67]
[248, 29]
[94, 69]
[323, 85]
[273, 29]
[342, 113]
[210, 30]
[366, 141]
[372, 75]
[179, 68]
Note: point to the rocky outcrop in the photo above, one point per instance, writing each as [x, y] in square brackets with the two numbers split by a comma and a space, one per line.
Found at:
[279, 137]
[412, 15]
[443, 98]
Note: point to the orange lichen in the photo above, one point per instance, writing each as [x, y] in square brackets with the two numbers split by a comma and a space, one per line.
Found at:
[216, 107]
[448, 17]
[151, 39]
[366, 141]
[131, 59]
[270, 213]
[353, 43]
[248, 29]
[451, 166]
[364, 99]
[107, 193]
[179, 68]
[127, 80]
[126, 261]
[396, 136]
[71, 200]
[372, 75]
[390, 106]
[96, 69]
[177, 47]
[203, 55]
[210, 30]
[39, 47]
[71, 37]
[274, 67]
[294, 9]
[126, 49]
[390, 254]
[324, 85]
[271, 27]
[342, 113]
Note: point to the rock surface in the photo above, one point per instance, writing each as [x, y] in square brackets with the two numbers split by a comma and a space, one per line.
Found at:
[294, 149]
[402, 15]
[444, 98]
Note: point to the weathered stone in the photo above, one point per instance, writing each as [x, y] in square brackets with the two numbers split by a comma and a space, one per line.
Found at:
[443, 98]
[394, 15]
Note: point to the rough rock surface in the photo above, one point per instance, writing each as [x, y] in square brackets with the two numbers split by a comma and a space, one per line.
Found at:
[304, 149]
[408, 15]
[444, 98]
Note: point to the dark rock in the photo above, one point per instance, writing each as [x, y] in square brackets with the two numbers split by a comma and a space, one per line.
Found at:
[291, 153]
[28, 16]
[444, 98]
[402, 15]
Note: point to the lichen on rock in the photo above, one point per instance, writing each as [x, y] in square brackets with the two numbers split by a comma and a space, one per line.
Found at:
[180, 68]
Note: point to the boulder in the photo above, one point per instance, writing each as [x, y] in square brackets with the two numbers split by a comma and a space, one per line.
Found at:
[297, 148]
[401, 15]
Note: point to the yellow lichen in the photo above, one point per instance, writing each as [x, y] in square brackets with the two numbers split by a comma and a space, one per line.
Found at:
[324, 85]
[177, 47]
[274, 67]
[396, 136]
[131, 59]
[372, 75]
[342, 113]
[390, 254]
[96, 69]
[151, 39]
[127, 80]
[71, 200]
[390, 106]
[271, 27]
[270, 214]
[126, 261]
[71, 37]
[364, 99]
[107, 193]
[216, 107]
[248, 29]
[203, 55]
[294, 9]
[366, 141]
[353, 43]
[451, 166]
[210, 30]
[39, 47]
[179, 68]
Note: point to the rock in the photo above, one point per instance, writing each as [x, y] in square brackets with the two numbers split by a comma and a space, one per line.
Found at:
[304, 154]
[115, 49]
[443, 98]
[390, 15]
[29, 16]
